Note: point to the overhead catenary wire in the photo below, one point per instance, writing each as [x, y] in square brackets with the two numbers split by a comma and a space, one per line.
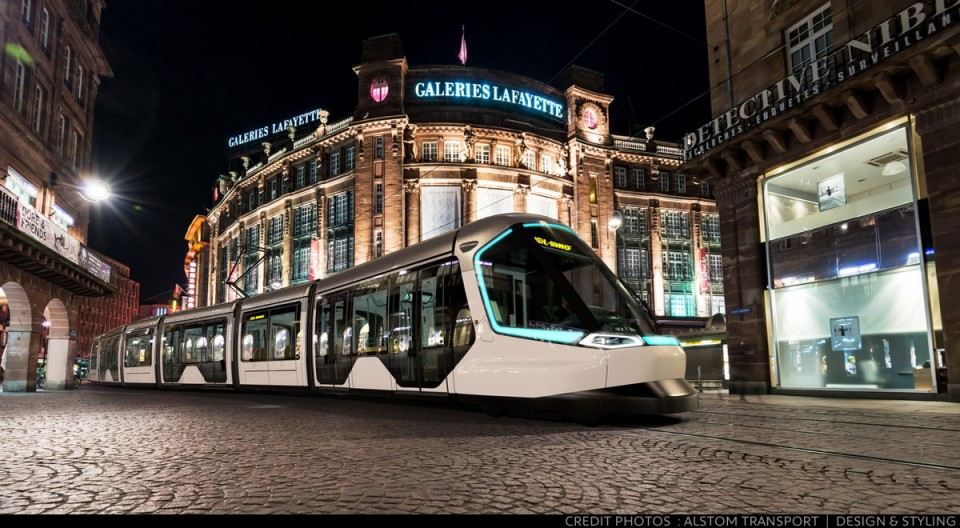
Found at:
[729, 78]
[630, 9]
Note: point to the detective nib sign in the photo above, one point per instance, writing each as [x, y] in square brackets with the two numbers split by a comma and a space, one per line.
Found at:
[908, 27]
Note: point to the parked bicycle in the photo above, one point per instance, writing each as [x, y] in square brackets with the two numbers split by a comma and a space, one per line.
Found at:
[80, 373]
[81, 370]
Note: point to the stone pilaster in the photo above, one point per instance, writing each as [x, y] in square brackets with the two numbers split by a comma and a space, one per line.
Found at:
[520, 198]
[287, 258]
[939, 129]
[656, 258]
[744, 285]
[563, 208]
[469, 200]
[262, 270]
[411, 194]
[321, 234]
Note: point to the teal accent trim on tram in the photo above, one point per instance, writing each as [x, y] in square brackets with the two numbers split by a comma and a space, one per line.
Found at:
[663, 340]
[544, 224]
[557, 336]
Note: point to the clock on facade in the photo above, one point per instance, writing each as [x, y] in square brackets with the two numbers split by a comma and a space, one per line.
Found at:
[590, 118]
[379, 89]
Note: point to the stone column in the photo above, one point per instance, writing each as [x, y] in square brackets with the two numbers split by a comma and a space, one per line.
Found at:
[58, 359]
[520, 198]
[744, 286]
[411, 195]
[22, 351]
[469, 200]
[939, 127]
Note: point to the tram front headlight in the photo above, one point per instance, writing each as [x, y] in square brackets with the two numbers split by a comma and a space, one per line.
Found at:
[608, 341]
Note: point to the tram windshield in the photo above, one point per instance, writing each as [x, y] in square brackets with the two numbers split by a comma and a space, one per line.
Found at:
[542, 281]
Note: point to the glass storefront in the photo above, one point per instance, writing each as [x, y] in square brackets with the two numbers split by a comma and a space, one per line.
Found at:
[846, 264]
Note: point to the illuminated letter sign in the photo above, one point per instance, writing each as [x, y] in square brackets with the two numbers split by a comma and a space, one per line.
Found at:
[275, 128]
[481, 91]
[857, 55]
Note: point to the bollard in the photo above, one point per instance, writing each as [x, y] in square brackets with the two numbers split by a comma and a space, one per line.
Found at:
[699, 378]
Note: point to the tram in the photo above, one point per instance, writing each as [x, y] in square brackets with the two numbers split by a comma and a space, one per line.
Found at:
[512, 311]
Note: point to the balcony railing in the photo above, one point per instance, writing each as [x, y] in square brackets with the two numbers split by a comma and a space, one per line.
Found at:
[8, 206]
[632, 145]
[339, 125]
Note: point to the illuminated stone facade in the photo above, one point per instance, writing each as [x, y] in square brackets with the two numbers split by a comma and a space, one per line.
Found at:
[430, 149]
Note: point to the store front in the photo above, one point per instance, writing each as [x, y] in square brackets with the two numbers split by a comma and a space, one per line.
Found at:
[852, 301]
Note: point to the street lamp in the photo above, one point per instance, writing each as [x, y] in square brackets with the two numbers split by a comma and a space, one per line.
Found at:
[614, 223]
[94, 191]
[616, 220]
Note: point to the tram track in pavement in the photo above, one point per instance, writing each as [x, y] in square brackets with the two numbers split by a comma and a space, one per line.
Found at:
[878, 436]
[823, 452]
[835, 421]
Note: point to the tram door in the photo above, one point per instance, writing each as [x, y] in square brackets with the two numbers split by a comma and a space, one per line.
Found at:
[333, 345]
[421, 325]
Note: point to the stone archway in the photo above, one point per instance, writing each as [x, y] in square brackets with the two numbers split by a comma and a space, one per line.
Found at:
[61, 349]
[23, 342]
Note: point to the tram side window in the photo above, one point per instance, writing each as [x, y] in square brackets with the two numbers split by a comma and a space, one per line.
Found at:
[95, 352]
[171, 344]
[253, 346]
[463, 332]
[401, 313]
[110, 361]
[434, 311]
[213, 341]
[500, 291]
[322, 337]
[342, 332]
[271, 334]
[139, 345]
[285, 332]
[189, 348]
[370, 316]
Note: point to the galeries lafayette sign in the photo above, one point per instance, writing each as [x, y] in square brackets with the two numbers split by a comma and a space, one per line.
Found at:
[903, 30]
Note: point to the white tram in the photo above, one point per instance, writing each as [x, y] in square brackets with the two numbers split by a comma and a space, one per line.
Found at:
[510, 311]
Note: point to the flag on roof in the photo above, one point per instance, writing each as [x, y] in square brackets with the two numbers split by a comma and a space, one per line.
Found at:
[463, 47]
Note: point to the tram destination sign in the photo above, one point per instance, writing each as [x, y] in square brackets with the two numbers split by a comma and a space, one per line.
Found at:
[918, 21]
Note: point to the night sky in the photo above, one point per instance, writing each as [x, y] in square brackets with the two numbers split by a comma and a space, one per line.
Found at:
[187, 75]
